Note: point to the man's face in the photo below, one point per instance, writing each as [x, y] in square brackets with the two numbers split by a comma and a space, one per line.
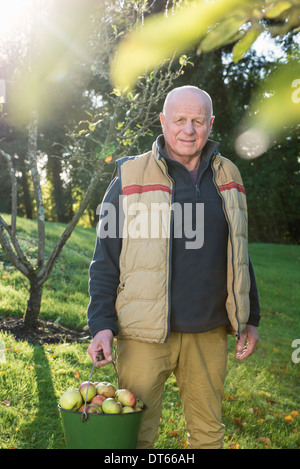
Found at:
[186, 124]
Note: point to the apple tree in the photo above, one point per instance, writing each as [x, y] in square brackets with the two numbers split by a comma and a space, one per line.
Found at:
[115, 122]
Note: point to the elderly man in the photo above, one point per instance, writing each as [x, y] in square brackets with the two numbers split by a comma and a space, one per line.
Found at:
[176, 278]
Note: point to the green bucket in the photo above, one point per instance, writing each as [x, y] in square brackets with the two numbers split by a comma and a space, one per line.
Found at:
[101, 431]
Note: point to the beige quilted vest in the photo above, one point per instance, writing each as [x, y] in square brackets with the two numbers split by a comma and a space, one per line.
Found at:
[143, 300]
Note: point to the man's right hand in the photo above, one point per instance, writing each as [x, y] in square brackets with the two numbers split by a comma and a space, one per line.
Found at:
[101, 346]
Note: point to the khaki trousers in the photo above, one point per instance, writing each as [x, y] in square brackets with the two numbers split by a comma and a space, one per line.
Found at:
[198, 362]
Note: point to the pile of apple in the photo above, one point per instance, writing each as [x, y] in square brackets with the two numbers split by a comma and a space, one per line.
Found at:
[101, 398]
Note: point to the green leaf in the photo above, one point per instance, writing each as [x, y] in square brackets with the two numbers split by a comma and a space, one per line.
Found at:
[223, 33]
[277, 9]
[93, 125]
[103, 151]
[244, 44]
[274, 111]
[116, 91]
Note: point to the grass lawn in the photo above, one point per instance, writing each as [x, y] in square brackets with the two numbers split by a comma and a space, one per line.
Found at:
[261, 401]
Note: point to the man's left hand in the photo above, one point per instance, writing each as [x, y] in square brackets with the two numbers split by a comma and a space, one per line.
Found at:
[247, 343]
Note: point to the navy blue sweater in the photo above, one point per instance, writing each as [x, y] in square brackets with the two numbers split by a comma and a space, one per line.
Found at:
[198, 277]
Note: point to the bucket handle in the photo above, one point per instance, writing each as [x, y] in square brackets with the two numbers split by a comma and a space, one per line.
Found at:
[84, 415]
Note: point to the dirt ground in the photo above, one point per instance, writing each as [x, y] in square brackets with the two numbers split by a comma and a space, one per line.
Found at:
[46, 333]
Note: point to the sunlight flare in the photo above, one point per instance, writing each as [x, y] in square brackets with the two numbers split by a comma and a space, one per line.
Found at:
[11, 12]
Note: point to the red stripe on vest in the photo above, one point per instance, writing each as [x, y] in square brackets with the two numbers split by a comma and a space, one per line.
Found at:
[232, 185]
[138, 189]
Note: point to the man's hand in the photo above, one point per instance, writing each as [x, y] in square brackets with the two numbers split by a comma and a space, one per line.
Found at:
[250, 338]
[101, 347]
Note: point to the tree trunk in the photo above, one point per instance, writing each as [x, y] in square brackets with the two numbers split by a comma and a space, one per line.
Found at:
[33, 304]
[55, 169]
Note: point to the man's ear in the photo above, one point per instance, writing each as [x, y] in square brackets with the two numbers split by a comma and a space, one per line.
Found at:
[162, 120]
[211, 122]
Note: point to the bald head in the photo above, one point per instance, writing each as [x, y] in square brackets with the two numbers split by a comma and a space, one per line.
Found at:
[181, 91]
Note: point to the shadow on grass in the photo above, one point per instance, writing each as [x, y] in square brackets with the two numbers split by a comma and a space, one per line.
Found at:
[45, 430]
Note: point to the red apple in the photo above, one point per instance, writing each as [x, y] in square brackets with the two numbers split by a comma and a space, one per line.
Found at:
[98, 399]
[94, 409]
[126, 397]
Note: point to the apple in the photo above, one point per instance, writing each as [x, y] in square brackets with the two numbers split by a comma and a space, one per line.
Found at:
[139, 403]
[126, 397]
[106, 389]
[110, 406]
[90, 393]
[98, 399]
[127, 409]
[94, 409]
[81, 408]
[71, 400]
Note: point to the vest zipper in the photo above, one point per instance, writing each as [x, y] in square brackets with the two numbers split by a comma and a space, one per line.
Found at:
[230, 235]
[198, 181]
[170, 248]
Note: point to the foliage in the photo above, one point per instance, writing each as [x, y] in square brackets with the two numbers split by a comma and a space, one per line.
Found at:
[119, 123]
[261, 403]
[74, 136]
[272, 181]
[212, 25]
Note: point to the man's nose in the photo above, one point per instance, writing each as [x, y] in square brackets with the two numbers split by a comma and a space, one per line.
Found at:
[189, 127]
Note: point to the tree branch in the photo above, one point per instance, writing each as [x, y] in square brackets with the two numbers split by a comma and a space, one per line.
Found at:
[14, 191]
[47, 268]
[4, 241]
[11, 229]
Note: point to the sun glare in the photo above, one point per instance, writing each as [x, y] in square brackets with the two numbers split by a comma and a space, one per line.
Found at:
[11, 12]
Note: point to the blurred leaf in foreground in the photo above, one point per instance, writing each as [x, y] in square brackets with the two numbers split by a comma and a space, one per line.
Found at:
[161, 37]
[274, 109]
[210, 25]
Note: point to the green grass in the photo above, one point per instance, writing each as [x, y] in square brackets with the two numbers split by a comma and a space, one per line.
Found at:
[261, 394]
[65, 294]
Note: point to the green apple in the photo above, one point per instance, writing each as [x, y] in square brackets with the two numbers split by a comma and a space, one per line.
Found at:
[127, 409]
[137, 409]
[71, 400]
[126, 397]
[94, 409]
[110, 406]
[90, 393]
[106, 389]
[139, 403]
